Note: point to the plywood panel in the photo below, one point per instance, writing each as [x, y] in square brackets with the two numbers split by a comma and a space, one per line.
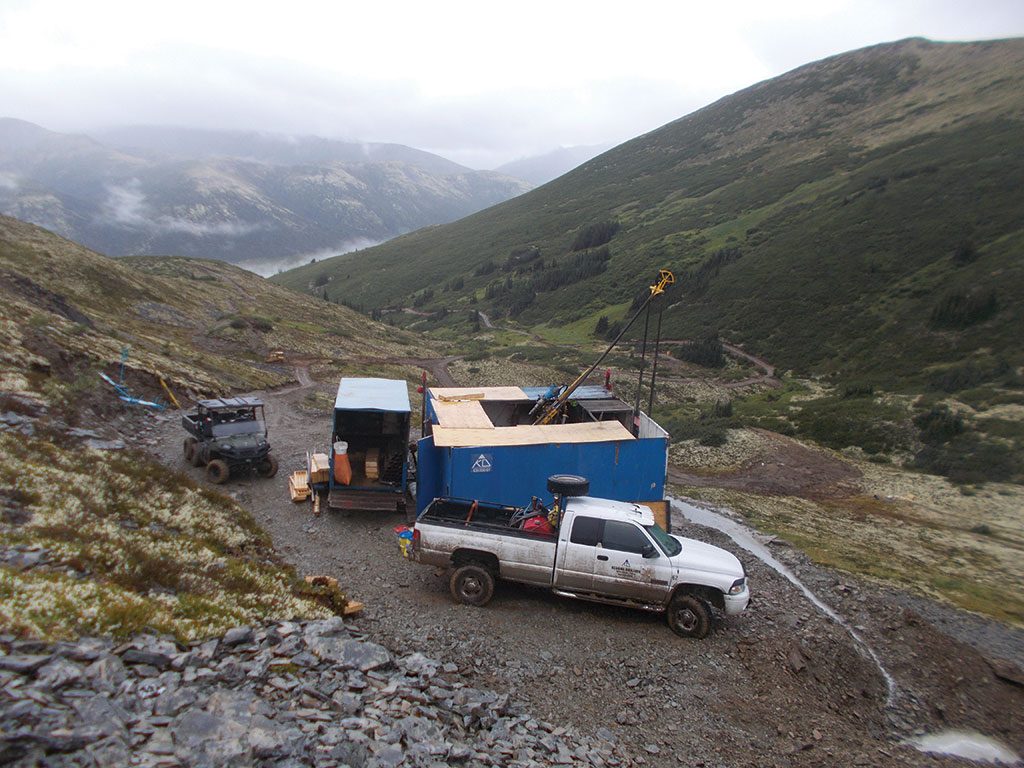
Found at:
[461, 414]
[477, 393]
[528, 434]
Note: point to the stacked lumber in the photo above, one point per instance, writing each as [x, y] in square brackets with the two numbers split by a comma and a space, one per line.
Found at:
[298, 485]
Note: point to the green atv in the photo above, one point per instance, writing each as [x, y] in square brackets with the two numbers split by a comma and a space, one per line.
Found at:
[226, 435]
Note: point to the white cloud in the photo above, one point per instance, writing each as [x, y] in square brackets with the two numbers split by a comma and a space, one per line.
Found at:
[268, 267]
[483, 80]
[126, 206]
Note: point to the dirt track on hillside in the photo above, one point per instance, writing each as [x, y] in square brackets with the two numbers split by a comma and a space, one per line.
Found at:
[779, 686]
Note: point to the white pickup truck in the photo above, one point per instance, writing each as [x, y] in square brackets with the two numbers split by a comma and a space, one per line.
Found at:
[597, 549]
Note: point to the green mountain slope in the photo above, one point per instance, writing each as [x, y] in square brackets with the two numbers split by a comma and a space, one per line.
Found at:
[857, 216]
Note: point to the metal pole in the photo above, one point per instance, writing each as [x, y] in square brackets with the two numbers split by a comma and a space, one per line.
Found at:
[640, 381]
[654, 368]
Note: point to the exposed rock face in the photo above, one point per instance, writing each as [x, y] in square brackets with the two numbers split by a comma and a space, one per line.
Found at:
[287, 694]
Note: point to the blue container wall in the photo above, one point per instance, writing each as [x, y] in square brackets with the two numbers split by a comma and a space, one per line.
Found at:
[631, 470]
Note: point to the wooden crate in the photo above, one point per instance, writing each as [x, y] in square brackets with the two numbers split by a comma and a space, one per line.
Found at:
[298, 486]
[319, 468]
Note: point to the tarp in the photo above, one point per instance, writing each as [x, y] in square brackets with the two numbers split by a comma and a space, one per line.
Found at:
[372, 395]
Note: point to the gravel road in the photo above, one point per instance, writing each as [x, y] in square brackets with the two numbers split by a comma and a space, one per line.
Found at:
[781, 685]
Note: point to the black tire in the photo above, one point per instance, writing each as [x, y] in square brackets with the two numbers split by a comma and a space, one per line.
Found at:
[268, 466]
[189, 449]
[218, 471]
[198, 459]
[472, 584]
[688, 616]
[568, 485]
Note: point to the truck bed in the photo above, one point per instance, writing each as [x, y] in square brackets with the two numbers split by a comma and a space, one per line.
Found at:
[447, 528]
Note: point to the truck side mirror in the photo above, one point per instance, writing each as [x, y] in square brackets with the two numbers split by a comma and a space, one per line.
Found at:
[649, 551]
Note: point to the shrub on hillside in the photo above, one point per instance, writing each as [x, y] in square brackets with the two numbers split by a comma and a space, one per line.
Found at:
[707, 352]
[595, 235]
[572, 269]
[970, 374]
[964, 253]
[485, 269]
[939, 425]
[261, 324]
[961, 309]
[969, 459]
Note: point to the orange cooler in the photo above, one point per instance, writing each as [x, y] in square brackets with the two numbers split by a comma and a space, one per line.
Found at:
[342, 467]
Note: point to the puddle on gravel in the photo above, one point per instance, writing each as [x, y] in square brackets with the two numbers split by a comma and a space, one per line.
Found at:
[966, 744]
[745, 538]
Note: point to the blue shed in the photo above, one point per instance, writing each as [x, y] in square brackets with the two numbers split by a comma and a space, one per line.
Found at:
[481, 444]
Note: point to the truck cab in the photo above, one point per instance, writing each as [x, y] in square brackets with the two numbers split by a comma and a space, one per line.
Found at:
[616, 550]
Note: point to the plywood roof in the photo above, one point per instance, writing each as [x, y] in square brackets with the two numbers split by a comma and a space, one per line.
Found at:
[528, 434]
[462, 414]
[477, 393]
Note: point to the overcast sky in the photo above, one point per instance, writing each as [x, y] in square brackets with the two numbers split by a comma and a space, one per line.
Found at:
[478, 82]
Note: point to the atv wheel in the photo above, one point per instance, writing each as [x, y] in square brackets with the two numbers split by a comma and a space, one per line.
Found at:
[568, 485]
[688, 616]
[189, 449]
[268, 466]
[217, 471]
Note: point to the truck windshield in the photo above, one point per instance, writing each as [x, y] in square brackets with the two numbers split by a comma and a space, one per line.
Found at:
[669, 546]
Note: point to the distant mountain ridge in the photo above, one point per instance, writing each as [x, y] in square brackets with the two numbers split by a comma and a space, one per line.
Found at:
[858, 216]
[167, 142]
[241, 197]
[540, 169]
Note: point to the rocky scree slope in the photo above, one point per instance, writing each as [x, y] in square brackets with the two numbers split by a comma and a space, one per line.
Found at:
[285, 694]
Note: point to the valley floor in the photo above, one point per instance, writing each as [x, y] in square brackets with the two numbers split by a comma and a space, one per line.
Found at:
[781, 685]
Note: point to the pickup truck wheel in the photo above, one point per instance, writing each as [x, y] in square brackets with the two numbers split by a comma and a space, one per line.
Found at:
[217, 471]
[268, 466]
[189, 449]
[472, 585]
[688, 616]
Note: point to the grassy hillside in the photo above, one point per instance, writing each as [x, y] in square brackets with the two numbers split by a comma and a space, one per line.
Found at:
[204, 325]
[857, 217]
[96, 541]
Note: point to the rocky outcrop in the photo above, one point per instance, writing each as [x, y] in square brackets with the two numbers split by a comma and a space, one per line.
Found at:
[285, 694]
